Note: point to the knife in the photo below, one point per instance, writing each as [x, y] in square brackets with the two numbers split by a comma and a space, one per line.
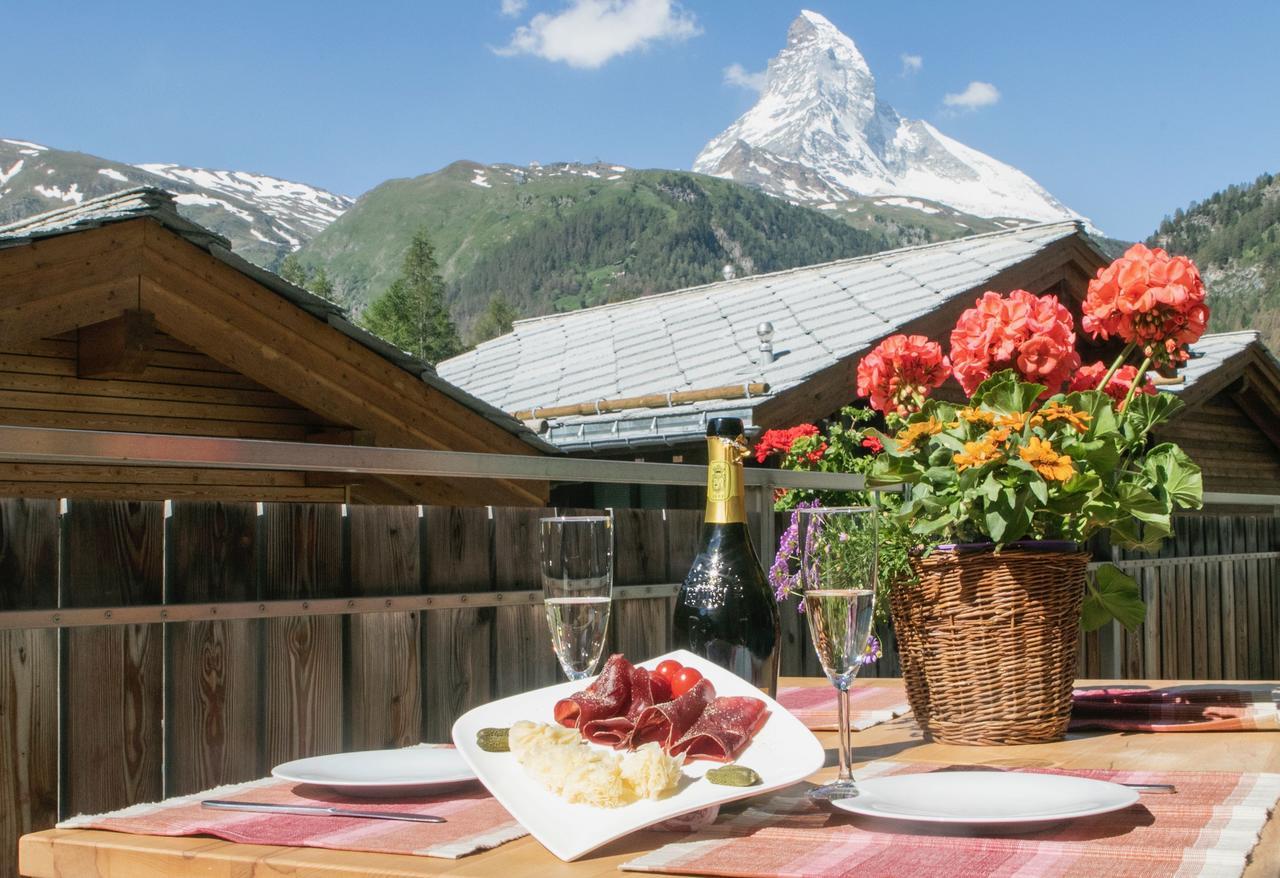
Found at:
[318, 811]
[1151, 787]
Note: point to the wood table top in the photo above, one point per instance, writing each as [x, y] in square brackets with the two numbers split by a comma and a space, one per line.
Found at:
[75, 853]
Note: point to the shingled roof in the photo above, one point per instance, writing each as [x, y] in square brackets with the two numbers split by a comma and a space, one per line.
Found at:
[823, 316]
[156, 204]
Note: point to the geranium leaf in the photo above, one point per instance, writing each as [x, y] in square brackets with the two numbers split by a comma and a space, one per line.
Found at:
[1112, 594]
[1169, 467]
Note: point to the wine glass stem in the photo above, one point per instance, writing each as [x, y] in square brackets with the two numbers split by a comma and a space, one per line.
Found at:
[846, 739]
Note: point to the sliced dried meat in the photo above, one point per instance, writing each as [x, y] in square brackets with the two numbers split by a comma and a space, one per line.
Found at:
[667, 722]
[646, 689]
[608, 696]
[722, 730]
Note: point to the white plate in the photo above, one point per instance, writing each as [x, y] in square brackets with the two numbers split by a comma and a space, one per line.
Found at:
[986, 797]
[782, 752]
[409, 771]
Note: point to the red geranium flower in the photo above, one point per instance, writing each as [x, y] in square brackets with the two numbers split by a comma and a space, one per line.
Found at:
[1151, 299]
[900, 372]
[1087, 378]
[775, 441]
[1033, 334]
[873, 443]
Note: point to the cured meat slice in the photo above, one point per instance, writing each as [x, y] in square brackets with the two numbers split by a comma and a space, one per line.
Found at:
[722, 730]
[666, 723]
[608, 696]
[647, 689]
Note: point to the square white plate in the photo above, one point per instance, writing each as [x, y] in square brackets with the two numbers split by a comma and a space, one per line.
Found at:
[782, 752]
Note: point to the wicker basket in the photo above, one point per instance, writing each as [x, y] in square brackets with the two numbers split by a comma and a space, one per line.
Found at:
[988, 643]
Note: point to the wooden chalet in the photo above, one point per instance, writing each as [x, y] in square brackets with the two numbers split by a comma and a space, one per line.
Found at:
[119, 314]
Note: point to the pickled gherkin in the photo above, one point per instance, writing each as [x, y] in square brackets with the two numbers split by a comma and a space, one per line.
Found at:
[733, 776]
[493, 740]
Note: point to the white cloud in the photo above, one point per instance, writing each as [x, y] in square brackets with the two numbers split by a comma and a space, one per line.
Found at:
[588, 33]
[512, 8]
[911, 63]
[736, 74]
[975, 95]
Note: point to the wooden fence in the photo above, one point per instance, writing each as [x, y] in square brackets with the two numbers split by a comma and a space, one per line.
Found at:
[94, 717]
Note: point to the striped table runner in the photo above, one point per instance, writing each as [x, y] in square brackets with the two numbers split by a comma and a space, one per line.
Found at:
[1206, 829]
[815, 706]
[475, 820]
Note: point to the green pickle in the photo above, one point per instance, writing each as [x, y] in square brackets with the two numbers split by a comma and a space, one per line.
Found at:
[733, 776]
[493, 740]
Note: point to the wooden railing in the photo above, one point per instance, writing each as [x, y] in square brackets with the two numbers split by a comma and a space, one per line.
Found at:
[159, 648]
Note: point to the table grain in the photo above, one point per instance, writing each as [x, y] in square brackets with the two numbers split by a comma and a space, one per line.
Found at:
[79, 853]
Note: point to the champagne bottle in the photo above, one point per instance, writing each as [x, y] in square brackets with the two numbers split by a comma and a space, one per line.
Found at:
[726, 612]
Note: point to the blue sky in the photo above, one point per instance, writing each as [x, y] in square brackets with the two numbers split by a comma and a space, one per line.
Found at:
[1124, 111]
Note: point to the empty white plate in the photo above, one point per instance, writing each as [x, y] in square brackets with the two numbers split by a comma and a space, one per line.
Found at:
[410, 771]
[985, 797]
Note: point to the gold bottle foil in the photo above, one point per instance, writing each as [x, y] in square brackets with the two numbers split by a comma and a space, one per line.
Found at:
[725, 501]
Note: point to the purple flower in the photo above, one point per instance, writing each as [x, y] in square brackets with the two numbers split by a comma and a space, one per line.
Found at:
[784, 575]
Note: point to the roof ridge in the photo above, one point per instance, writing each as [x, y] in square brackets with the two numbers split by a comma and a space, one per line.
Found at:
[850, 260]
[154, 199]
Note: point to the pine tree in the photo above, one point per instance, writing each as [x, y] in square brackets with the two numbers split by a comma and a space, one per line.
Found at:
[292, 270]
[495, 321]
[321, 285]
[412, 313]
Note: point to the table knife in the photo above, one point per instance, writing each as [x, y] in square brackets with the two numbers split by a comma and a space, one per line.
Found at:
[1151, 787]
[318, 811]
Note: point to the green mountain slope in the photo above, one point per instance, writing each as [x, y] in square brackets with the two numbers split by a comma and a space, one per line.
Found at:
[1234, 236]
[560, 237]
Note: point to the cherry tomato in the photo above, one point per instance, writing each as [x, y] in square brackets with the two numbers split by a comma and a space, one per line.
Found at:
[668, 669]
[685, 680]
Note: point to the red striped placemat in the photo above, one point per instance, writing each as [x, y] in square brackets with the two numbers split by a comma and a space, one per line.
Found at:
[475, 820]
[1207, 828]
[1192, 708]
[815, 706]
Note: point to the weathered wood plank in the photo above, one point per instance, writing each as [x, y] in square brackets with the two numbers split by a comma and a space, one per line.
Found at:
[384, 686]
[640, 628]
[213, 705]
[1252, 598]
[28, 738]
[457, 644]
[302, 546]
[1199, 622]
[523, 658]
[1212, 600]
[28, 554]
[112, 677]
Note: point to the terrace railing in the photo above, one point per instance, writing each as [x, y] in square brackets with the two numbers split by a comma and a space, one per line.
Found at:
[162, 647]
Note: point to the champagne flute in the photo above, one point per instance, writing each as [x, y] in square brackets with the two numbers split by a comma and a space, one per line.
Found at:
[577, 588]
[838, 557]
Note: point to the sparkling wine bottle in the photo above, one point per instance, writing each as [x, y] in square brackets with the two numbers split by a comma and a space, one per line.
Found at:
[725, 611]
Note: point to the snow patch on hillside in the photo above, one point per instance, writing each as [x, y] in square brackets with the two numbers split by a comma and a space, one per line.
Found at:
[112, 174]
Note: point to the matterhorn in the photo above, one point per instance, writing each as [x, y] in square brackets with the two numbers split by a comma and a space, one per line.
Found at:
[820, 135]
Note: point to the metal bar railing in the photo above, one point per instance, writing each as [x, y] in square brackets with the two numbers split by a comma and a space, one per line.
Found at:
[90, 447]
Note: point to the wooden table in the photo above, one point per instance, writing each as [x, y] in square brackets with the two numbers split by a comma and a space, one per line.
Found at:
[78, 853]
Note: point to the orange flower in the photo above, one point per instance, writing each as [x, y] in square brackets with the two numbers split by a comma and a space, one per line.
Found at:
[997, 434]
[1057, 411]
[977, 454]
[977, 416]
[915, 432]
[1052, 466]
[1017, 421]
[1033, 334]
[900, 373]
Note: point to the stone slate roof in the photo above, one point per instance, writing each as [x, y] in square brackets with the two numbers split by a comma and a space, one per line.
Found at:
[705, 337]
[159, 205]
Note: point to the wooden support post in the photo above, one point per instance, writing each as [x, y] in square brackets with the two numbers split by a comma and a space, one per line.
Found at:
[118, 347]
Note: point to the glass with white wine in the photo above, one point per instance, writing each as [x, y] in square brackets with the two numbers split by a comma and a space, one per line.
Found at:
[577, 588]
[839, 550]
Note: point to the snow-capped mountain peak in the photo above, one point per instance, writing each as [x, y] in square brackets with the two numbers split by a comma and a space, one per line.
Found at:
[820, 133]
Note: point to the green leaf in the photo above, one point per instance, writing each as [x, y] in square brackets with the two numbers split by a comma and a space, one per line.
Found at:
[1004, 393]
[1140, 503]
[1102, 418]
[1112, 594]
[1169, 467]
[1146, 411]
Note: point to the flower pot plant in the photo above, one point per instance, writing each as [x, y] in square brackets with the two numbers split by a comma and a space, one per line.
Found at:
[986, 575]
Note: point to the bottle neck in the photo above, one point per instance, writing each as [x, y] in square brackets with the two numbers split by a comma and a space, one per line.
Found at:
[725, 502]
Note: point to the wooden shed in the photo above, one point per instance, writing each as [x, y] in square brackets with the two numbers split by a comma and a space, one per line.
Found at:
[119, 314]
[1231, 423]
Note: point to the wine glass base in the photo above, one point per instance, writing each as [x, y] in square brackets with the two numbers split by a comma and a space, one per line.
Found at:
[840, 789]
